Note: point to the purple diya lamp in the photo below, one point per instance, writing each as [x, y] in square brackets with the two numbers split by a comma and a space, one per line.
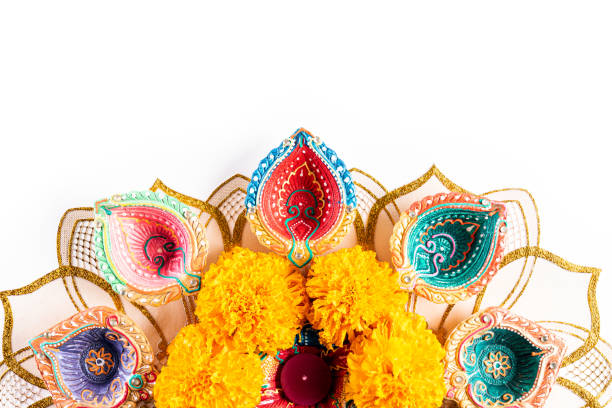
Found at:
[97, 358]
[150, 247]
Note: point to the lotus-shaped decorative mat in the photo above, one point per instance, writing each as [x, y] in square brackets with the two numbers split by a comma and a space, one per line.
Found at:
[365, 212]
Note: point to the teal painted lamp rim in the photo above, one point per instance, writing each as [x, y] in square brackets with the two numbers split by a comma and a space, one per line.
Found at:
[498, 358]
[448, 246]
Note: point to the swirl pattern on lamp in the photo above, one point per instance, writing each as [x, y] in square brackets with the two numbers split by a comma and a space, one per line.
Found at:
[447, 247]
[150, 247]
[301, 199]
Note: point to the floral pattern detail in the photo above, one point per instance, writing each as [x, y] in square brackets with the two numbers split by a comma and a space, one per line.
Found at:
[100, 362]
[89, 360]
[498, 359]
[497, 364]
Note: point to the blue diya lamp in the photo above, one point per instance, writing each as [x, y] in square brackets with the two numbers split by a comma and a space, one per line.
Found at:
[301, 199]
[447, 247]
[498, 359]
[97, 358]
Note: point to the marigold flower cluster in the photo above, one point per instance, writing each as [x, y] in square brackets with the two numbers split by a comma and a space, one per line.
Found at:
[253, 303]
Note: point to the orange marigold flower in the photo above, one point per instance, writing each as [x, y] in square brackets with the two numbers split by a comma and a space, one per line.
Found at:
[201, 374]
[350, 290]
[252, 301]
[398, 364]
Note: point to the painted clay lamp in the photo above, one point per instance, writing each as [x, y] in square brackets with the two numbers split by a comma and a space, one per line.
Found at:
[301, 199]
[306, 379]
[496, 358]
[96, 358]
[447, 247]
[305, 375]
[150, 247]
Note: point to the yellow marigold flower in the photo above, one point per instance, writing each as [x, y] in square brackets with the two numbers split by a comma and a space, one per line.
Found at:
[200, 374]
[252, 301]
[398, 364]
[350, 292]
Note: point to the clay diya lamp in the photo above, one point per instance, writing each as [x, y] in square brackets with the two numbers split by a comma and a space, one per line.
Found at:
[498, 359]
[306, 375]
[97, 358]
[150, 247]
[301, 199]
[447, 247]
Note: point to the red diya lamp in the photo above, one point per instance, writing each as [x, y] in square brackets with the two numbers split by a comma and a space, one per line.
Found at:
[305, 379]
[305, 375]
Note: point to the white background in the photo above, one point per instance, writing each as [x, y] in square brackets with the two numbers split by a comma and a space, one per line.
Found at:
[103, 97]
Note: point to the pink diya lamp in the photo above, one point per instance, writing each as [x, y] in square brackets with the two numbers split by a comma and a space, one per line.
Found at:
[150, 247]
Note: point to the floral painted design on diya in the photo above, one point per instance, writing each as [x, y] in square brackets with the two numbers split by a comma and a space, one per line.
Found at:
[498, 359]
[305, 375]
[150, 247]
[301, 199]
[447, 247]
[97, 358]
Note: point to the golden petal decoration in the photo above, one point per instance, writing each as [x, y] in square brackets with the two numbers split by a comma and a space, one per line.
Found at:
[523, 229]
[76, 284]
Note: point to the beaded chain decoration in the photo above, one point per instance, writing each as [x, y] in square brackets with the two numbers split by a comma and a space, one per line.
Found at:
[301, 199]
[498, 359]
[96, 358]
[150, 247]
[447, 247]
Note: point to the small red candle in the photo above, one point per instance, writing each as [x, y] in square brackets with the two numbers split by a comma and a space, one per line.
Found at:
[306, 379]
